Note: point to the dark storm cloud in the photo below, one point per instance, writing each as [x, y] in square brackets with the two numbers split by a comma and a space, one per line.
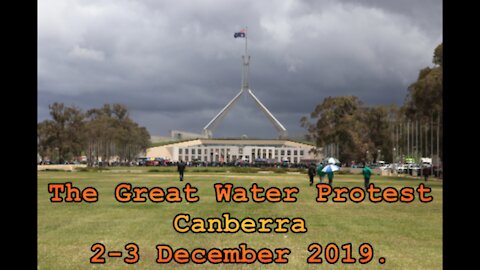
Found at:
[175, 64]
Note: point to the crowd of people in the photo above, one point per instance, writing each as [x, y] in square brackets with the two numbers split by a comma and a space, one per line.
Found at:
[230, 164]
[313, 170]
[320, 171]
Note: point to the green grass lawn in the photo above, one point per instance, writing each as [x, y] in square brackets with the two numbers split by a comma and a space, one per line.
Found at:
[407, 235]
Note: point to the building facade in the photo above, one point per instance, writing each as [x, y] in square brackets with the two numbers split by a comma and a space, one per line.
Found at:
[232, 150]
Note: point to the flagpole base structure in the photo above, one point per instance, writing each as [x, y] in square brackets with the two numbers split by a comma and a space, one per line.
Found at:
[210, 127]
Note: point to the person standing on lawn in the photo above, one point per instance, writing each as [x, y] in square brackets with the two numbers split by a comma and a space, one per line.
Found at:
[330, 175]
[367, 172]
[312, 171]
[181, 169]
[426, 172]
[320, 173]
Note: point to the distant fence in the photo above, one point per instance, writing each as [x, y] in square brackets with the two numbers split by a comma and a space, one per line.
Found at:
[376, 171]
[61, 167]
[387, 172]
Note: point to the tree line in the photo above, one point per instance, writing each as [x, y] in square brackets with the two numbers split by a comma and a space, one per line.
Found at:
[344, 127]
[99, 134]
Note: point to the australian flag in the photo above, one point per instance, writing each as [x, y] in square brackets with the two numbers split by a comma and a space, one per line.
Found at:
[241, 33]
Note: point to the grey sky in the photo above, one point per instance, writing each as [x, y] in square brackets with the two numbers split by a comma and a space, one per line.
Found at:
[175, 64]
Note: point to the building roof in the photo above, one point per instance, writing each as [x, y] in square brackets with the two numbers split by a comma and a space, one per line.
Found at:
[239, 142]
